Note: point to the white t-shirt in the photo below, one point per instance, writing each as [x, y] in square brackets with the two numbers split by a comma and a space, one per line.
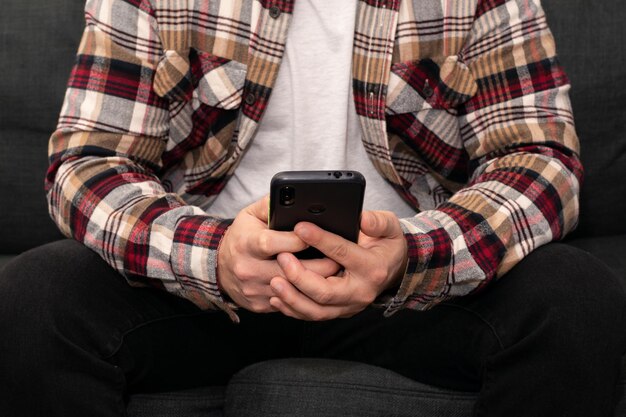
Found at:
[310, 122]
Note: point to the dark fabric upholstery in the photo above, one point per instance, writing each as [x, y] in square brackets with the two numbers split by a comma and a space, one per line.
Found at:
[590, 38]
[204, 402]
[38, 42]
[311, 387]
[4, 259]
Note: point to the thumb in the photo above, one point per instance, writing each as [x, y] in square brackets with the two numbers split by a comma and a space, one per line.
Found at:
[380, 224]
[260, 208]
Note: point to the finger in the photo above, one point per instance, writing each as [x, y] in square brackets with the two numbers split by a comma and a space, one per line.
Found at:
[380, 224]
[267, 243]
[260, 271]
[253, 296]
[259, 305]
[325, 267]
[278, 305]
[342, 251]
[257, 291]
[298, 304]
[260, 209]
[316, 287]
[263, 271]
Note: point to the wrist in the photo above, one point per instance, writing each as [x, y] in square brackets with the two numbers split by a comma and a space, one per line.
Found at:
[220, 263]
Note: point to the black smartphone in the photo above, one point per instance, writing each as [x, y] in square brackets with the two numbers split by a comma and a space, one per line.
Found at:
[333, 200]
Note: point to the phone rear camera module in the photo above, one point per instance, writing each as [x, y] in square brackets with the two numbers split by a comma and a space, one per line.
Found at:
[287, 196]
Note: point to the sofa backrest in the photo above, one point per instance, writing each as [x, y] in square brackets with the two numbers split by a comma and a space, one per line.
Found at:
[38, 43]
[591, 43]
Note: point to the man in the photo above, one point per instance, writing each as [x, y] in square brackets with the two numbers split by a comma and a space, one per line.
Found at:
[175, 119]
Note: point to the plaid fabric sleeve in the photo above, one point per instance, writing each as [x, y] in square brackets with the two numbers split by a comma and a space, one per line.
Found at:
[525, 171]
[101, 184]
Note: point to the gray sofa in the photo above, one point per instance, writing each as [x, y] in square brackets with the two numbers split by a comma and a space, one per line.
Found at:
[38, 40]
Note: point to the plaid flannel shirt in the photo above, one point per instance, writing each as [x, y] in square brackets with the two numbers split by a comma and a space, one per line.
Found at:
[462, 103]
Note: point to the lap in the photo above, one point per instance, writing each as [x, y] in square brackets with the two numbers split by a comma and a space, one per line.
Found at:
[64, 289]
[561, 290]
[165, 342]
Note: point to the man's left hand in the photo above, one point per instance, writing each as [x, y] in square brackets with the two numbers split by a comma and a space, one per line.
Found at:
[376, 263]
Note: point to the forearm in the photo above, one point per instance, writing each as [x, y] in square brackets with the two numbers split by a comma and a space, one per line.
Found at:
[487, 228]
[525, 171]
[102, 183]
[120, 210]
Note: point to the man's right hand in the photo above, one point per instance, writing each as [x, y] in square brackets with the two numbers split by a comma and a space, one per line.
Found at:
[246, 259]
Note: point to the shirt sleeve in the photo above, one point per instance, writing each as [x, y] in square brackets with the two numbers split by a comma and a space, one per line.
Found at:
[102, 186]
[518, 131]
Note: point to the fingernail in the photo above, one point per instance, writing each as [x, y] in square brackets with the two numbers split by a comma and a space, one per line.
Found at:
[282, 260]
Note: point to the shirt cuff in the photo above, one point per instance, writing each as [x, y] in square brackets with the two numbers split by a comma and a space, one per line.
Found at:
[194, 262]
[428, 251]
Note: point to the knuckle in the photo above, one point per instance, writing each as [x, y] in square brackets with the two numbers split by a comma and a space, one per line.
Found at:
[295, 279]
[315, 240]
[258, 307]
[389, 217]
[239, 246]
[373, 219]
[384, 221]
[264, 242]
[248, 292]
[340, 251]
[324, 297]
[265, 308]
[241, 271]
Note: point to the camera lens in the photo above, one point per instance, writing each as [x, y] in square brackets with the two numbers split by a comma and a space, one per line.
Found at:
[337, 174]
[287, 196]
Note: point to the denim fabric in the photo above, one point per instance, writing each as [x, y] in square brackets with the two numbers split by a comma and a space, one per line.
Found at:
[77, 340]
[609, 249]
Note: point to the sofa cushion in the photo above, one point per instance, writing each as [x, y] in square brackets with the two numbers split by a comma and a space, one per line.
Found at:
[310, 387]
[4, 259]
[315, 387]
[201, 402]
[590, 39]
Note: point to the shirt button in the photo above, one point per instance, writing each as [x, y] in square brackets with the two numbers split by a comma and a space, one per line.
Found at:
[274, 12]
[428, 90]
[250, 99]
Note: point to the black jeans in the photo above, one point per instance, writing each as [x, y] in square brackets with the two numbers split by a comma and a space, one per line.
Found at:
[75, 339]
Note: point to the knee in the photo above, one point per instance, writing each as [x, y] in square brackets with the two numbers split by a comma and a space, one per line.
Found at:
[39, 288]
[574, 290]
[35, 278]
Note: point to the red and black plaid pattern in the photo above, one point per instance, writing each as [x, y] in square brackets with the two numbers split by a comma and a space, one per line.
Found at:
[463, 108]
